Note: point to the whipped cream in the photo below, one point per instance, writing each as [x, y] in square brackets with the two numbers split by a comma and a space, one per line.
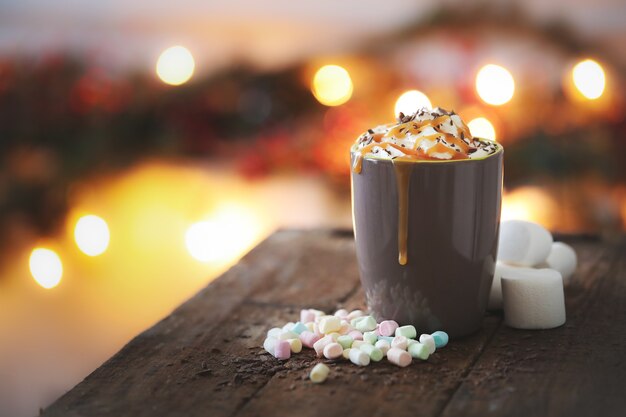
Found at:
[435, 134]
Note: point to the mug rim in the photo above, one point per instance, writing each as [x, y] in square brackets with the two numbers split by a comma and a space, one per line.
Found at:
[430, 161]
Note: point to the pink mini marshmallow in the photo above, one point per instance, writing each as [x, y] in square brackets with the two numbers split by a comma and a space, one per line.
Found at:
[307, 316]
[399, 342]
[308, 338]
[387, 327]
[333, 351]
[321, 344]
[282, 350]
[356, 335]
[399, 357]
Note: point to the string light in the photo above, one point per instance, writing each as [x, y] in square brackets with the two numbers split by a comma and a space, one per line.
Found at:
[410, 101]
[175, 65]
[332, 85]
[92, 235]
[481, 127]
[589, 79]
[495, 85]
[46, 267]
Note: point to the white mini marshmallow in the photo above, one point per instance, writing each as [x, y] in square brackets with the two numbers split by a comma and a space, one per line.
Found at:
[383, 345]
[358, 357]
[563, 258]
[429, 342]
[495, 296]
[523, 243]
[269, 344]
[533, 298]
[274, 332]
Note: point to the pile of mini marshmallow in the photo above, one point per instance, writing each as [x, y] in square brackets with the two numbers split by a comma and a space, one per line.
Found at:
[529, 277]
[353, 336]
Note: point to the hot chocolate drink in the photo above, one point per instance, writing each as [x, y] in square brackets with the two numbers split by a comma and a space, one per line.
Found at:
[426, 201]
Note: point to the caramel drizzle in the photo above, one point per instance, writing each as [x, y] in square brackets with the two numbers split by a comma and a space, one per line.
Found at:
[455, 147]
[403, 171]
[414, 128]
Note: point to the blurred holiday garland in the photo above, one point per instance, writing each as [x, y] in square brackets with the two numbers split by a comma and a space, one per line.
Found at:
[62, 118]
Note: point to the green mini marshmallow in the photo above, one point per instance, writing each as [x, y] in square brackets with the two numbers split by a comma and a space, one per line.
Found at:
[365, 324]
[372, 351]
[345, 341]
[370, 337]
[407, 331]
[419, 351]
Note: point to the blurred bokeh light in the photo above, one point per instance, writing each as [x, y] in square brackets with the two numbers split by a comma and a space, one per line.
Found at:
[175, 65]
[529, 203]
[495, 85]
[92, 235]
[411, 100]
[589, 79]
[46, 267]
[332, 85]
[230, 232]
[481, 127]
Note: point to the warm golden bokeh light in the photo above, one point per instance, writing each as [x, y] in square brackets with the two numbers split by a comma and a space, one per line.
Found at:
[175, 65]
[92, 235]
[482, 128]
[200, 240]
[224, 237]
[410, 101]
[46, 267]
[332, 85]
[530, 203]
[589, 79]
[495, 85]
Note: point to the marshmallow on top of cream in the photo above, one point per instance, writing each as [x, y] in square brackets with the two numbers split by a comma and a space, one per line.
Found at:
[435, 134]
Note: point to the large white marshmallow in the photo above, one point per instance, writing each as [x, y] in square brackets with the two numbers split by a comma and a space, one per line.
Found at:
[523, 243]
[563, 258]
[495, 296]
[533, 298]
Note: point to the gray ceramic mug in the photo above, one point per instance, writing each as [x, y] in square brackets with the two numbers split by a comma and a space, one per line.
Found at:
[450, 218]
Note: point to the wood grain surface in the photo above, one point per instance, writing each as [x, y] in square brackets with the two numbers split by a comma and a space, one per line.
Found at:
[206, 359]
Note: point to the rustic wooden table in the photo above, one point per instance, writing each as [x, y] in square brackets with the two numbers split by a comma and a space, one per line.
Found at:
[205, 359]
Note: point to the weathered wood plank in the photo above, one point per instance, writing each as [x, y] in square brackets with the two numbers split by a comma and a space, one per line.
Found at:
[204, 355]
[576, 370]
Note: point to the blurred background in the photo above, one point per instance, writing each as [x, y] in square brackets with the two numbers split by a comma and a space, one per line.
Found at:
[146, 146]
